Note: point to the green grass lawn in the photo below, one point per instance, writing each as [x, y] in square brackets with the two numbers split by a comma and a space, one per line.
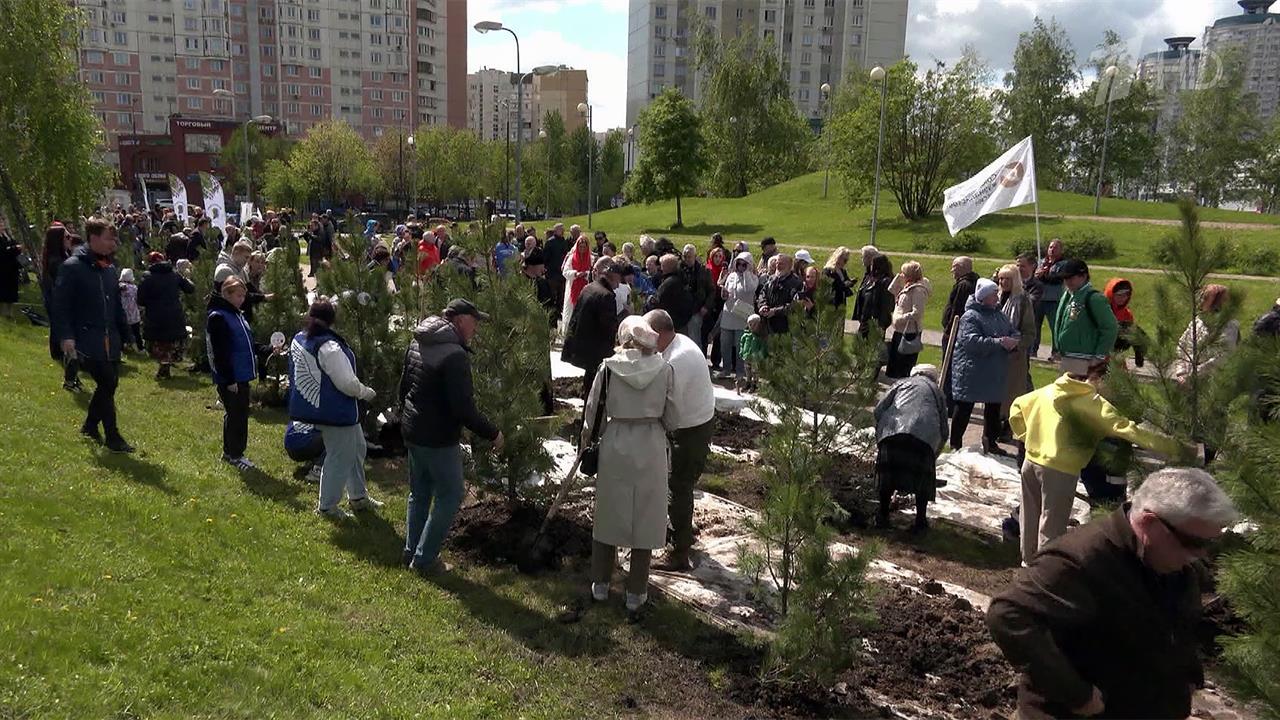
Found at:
[165, 584]
[795, 213]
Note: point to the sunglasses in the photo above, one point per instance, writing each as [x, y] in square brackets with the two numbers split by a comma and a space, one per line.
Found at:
[1188, 541]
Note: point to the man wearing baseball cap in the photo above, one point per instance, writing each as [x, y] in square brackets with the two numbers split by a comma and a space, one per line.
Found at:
[438, 400]
[1086, 329]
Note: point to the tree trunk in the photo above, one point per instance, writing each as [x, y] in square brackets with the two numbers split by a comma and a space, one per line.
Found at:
[679, 216]
[19, 216]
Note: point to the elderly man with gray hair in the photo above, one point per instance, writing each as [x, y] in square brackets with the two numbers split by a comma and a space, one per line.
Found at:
[1103, 622]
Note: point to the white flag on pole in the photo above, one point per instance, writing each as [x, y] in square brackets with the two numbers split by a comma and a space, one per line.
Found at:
[178, 191]
[1008, 182]
[214, 203]
[145, 201]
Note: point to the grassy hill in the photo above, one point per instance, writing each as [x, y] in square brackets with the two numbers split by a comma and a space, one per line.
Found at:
[165, 584]
[795, 213]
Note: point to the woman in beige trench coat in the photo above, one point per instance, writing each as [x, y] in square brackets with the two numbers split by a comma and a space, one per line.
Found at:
[631, 484]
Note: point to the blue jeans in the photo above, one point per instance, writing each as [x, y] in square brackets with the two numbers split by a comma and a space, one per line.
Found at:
[435, 494]
[694, 330]
[730, 355]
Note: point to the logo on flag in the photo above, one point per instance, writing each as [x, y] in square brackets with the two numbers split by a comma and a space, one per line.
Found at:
[214, 202]
[178, 191]
[1009, 181]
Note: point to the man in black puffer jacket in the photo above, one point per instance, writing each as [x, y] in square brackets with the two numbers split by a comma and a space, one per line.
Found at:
[438, 401]
[88, 322]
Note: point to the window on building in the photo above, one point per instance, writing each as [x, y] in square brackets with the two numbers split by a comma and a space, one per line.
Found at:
[808, 21]
[218, 84]
[293, 89]
[806, 57]
[291, 108]
[317, 110]
[193, 83]
[120, 58]
[203, 143]
[316, 72]
[806, 39]
[856, 21]
[122, 78]
[268, 51]
[375, 21]
[804, 93]
[317, 91]
[191, 63]
[242, 88]
[217, 65]
[313, 34]
[856, 3]
[153, 18]
[804, 76]
[237, 11]
[120, 38]
[375, 58]
[660, 31]
[378, 131]
[855, 39]
[377, 113]
[711, 12]
[265, 12]
[124, 119]
[268, 70]
[191, 24]
[660, 11]
[99, 97]
[659, 69]
[93, 57]
[194, 103]
[291, 71]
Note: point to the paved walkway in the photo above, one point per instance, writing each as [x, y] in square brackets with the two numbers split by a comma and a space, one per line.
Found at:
[1216, 224]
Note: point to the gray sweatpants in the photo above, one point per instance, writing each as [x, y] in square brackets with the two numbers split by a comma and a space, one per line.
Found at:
[343, 467]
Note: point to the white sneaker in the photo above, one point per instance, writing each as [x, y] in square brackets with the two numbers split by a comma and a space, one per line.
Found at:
[334, 513]
[366, 503]
[240, 463]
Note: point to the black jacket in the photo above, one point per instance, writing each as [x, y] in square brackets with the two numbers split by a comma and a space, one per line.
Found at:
[436, 393]
[553, 252]
[874, 303]
[86, 306]
[841, 286]
[958, 299]
[673, 296]
[703, 290]
[176, 248]
[780, 293]
[1268, 325]
[1088, 613]
[593, 327]
[160, 295]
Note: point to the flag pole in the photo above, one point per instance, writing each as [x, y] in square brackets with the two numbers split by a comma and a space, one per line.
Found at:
[1039, 255]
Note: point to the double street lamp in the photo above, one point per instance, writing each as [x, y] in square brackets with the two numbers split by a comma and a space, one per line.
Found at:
[483, 27]
[1110, 78]
[878, 75]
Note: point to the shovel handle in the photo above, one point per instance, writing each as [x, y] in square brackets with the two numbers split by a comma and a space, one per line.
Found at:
[565, 486]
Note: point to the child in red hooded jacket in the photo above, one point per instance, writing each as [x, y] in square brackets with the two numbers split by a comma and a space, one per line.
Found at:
[1119, 293]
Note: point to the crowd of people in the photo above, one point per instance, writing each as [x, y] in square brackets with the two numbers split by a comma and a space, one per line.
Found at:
[654, 327]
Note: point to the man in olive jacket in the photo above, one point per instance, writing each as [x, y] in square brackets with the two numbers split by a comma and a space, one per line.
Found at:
[88, 322]
[1103, 621]
[1085, 325]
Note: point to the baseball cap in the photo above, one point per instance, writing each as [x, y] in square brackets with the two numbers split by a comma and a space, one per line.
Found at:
[804, 256]
[1072, 267]
[463, 306]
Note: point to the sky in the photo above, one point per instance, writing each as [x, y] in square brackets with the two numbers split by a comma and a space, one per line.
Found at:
[592, 34]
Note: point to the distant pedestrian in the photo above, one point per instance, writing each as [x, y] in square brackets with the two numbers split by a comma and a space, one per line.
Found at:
[1051, 288]
[837, 272]
[1017, 306]
[576, 271]
[673, 294]
[701, 289]
[779, 295]
[874, 306]
[754, 348]
[1034, 289]
[958, 301]
[739, 292]
[908, 317]
[436, 392]
[88, 322]
[1119, 293]
[593, 325]
[132, 315]
[58, 247]
[233, 358]
[1208, 341]
[164, 326]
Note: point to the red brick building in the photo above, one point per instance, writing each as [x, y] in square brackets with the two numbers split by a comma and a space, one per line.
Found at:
[191, 146]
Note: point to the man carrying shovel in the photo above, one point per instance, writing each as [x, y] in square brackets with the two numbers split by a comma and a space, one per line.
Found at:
[438, 400]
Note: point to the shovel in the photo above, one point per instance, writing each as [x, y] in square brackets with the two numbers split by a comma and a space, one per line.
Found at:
[539, 547]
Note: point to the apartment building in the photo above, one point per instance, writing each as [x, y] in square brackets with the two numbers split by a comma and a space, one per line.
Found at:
[1256, 32]
[377, 64]
[492, 99]
[818, 41]
[1168, 73]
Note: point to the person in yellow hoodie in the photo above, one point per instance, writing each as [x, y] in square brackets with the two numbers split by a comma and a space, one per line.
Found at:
[1060, 426]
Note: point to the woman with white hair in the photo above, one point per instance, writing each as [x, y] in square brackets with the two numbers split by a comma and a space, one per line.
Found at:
[630, 410]
[911, 430]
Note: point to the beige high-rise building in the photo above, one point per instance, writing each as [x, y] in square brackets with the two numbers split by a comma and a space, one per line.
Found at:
[378, 64]
[819, 41]
[492, 99]
[1256, 32]
[1168, 73]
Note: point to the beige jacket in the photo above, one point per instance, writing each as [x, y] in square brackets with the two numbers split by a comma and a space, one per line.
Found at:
[908, 308]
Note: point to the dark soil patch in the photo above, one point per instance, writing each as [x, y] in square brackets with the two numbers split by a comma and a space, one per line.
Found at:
[852, 484]
[1218, 619]
[493, 532]
[738, 432]
[567, 387]
[935, 651]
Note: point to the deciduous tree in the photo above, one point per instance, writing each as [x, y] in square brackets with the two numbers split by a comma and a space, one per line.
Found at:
[672, 152]
[262, 150]
[937, 130]
[1037, 98]
[51, 159]
[331, 163]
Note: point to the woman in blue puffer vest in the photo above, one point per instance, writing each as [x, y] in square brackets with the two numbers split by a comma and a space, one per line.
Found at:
[324, 391]
[980, 365]
[232, 356]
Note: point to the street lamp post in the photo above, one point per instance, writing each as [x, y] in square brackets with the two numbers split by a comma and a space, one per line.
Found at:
[485, 26]
[413, 177]
[631, 148]
[506, 154]
[585, 109]
[542, 135]
[826, 120]
[878, 75]
[1110, 75]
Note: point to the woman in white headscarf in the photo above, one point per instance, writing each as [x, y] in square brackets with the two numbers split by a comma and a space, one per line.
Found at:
[739, 292]
[635, 385]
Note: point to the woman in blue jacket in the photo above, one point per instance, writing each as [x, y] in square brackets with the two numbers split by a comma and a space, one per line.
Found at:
[980, 365]
[234, 361]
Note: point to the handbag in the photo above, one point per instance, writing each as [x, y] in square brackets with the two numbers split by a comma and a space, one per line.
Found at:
[590, 463]
[908, 345]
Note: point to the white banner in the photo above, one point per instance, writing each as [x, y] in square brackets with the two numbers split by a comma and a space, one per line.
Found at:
[1008, 182]
[178, 191]
[246, 212]
[215, 206]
